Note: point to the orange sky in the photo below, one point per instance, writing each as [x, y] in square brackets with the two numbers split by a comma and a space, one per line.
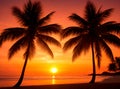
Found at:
[41, 62]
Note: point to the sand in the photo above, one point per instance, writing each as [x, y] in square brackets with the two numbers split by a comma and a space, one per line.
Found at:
[72, 86]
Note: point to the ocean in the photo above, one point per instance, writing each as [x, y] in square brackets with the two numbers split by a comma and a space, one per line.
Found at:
[49, 80]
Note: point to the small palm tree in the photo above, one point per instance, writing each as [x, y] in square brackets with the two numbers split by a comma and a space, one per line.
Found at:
[112, 67]
[34, 30]
[93, 33]
[118, 62]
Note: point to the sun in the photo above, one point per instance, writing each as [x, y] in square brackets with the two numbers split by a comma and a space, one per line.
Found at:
[54, 70]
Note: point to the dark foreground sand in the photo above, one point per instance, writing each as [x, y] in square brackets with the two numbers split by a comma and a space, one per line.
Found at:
[72, 86]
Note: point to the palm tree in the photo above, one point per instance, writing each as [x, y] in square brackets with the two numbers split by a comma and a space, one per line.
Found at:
[33, 30]
[112, 67]
[118, 62]
[115, 66]
[93, 33]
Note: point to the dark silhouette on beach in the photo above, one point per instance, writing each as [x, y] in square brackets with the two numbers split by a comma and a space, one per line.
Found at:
[92, 32]
[34, 29]
[115, 67]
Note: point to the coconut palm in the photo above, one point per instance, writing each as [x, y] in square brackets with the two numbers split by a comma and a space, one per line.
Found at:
[92, 32]
[112, 67]
[115, 66]
[34, 29]
[118, 62]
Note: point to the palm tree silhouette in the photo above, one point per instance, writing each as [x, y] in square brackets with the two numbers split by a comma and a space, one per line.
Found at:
[93, 33]
[34, 30]
[115, 67]
[117, 61]
[112, 67]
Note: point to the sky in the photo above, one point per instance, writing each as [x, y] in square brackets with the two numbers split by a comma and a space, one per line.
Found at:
[41, 63]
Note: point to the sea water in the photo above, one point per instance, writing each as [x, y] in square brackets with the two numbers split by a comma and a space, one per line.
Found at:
[49, 80]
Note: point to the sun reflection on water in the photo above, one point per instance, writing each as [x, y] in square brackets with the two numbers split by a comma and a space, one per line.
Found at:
[53, 79]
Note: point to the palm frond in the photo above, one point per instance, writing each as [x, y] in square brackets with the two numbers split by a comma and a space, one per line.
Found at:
[48, 29]
[98, 53]
[28, 6]
[107, 49]
[79, 20]
[71, 31]
[32, 12]
[111, 26]
[11, 34]
[83, 45]
[77, 51]
[90, 11]
[104, 14]
[112, 39]
[45, 19]
[71, 42]
[19, 15]
[38, 8]
[30, 50]
[44, 46]
[49, 39]
[21, 43]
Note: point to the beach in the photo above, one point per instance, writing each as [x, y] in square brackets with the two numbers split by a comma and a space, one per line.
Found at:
[111, 82]
[72, 86]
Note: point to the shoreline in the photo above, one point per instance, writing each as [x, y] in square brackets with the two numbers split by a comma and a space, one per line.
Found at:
[71, 86]
[112, 82]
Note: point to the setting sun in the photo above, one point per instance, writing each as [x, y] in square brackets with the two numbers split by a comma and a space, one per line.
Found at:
[54, 70]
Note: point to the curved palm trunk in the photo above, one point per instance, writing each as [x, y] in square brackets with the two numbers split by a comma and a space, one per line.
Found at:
[22, 74]
[94, 68]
